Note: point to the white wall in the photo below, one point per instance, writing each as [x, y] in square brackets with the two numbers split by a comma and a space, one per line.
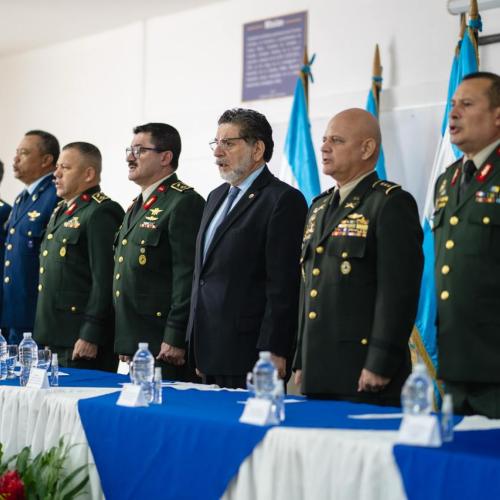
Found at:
[186, 69]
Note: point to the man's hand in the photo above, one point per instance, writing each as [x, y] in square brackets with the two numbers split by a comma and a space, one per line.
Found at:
[171, 354]
[84, 350]
[280, 364]
[371, 382]
[298, 377]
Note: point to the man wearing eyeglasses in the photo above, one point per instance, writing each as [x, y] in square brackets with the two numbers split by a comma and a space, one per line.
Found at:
[154, 252]
[246, 281]
[34, 164]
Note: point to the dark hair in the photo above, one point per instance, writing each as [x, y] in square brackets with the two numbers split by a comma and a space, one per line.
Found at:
[253, 127]
[1, 170]
[49, 144]
[164, 137]
[90, 152]
[494, 90]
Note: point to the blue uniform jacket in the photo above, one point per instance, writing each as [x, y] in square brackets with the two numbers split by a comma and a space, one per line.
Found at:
[25, 228]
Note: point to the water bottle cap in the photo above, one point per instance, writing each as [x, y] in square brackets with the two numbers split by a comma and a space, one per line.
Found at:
[27, 335]
[266, 355]
[143, 345]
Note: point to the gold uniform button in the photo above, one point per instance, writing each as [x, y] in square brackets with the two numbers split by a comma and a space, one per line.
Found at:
[158, 314]
[9, 246]
[345, 255]
[42, 270]
[124, 242]
[40, 287]
[312, 315]
[313, 293]
[143, 241]
[29, 233]
[316, 271]
[454, 220]
[120, 259]
[73, 309]
[7, 263]
[364, 341]
[62, 252]
[64, 240]
[486, 220]
[117, 293]
[50, 236]
[449, 244]
[445, 295]
[12, 230]
[45, 253]
[445, 269]
[320, 249]
[117, 277]
[7, 279]
[142, 250]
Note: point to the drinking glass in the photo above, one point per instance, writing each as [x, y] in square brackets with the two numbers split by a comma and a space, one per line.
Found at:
[12, 351]
[44, 357]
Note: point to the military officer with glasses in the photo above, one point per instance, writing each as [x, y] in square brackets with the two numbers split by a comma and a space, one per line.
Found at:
[154, 253]
[246, 279]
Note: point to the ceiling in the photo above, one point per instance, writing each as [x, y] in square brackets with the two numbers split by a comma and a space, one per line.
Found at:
[27, 24]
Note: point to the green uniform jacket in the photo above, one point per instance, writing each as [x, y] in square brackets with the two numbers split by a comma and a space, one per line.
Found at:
[76, 272]
[467, 246]
[361, 270]
[154, 260]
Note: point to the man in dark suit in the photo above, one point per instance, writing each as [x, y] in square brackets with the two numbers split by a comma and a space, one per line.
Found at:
[74, 314]
[246, 279]
[34, 164]
[5, 209]
[361, 267]
[467, 244]
[154, 254]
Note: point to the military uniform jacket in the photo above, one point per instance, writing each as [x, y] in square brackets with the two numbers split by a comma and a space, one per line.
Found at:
[76, 272]
[467, 247]
[154, 261]
[361, 270]
[245, 292]
[25, 229]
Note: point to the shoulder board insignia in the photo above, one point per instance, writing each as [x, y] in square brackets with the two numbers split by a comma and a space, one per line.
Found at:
[321, 195]
[385, 186]
[180, 186]
[100, 197]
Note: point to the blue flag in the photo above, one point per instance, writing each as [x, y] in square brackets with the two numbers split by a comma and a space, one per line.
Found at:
[424, 335]
[372, 105]
[299, 166]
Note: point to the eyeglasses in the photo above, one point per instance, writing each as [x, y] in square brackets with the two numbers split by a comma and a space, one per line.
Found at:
[225, 144]
[136, 151]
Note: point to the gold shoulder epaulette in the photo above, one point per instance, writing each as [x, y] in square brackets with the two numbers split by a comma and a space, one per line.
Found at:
[385, 186]
[100, 197]
[180, 186]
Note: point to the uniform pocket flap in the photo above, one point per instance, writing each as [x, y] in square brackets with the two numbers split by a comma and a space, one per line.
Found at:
[149, 238]
[71, 301]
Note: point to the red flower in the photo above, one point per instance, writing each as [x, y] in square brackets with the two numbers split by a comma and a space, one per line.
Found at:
[11, 486]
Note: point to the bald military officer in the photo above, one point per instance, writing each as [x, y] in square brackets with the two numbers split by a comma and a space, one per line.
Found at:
[361, 269]
[74, 315]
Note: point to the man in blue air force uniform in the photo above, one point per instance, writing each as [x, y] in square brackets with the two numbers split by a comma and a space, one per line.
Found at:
[34, 163]
[5, 209]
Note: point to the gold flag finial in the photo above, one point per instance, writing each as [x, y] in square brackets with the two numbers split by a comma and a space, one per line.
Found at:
[377, 68]
[305, 77]
[463, 25]
[474, 10]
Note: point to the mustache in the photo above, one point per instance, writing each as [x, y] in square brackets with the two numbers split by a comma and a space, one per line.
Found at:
[132, 164]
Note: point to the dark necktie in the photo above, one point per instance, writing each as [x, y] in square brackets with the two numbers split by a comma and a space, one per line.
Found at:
[334, 203]
[233, 193]
[62, 208]
[469, 169]
[135, 210]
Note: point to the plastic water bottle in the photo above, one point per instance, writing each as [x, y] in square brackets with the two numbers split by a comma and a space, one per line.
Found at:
[54, 379]
[157, 391]
[264, 376]
[3, 357]
[28, 356]
[416, 396]
[447, 419]
[143, 370]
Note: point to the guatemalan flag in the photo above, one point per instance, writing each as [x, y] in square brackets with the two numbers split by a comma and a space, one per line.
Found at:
[424, 333]
[299, 167]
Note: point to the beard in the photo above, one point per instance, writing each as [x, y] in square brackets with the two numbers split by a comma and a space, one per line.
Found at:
[237, 174]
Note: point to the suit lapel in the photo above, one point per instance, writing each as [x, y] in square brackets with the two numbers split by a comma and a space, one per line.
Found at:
[248, 199]
[27, 206]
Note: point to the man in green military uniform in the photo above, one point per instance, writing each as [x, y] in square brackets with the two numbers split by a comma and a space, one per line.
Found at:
[467, 244]
[361, 268]
[154, 255]
[74, 310]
